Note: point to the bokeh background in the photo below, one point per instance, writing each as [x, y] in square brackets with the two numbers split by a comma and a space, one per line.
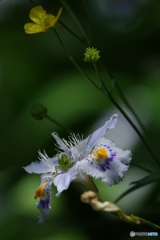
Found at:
[34, 69]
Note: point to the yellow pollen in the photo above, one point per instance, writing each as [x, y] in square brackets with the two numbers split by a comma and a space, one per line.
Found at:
[100, 153]
[40, 190]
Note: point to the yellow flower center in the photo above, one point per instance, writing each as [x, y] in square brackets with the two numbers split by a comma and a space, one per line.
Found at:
[40, 190]
[100, 153]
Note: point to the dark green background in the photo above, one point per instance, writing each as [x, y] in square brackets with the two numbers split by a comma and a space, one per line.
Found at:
[34, 68]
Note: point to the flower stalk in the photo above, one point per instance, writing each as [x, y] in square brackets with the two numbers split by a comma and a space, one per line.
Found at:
[92, 199]
[39, 112]
[126, 116]
[75, 63]
[79, 160]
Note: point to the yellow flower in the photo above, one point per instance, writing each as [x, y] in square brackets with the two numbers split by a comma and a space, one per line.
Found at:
[42, 20]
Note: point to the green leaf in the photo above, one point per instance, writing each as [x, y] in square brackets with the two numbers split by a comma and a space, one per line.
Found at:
[153, 177]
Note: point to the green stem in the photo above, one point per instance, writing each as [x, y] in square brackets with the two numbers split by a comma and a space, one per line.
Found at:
[76, 64]
[138, 119]
[57, 123]
[131, 109]
[74, 17]
[73, 34]
[126, 116]
[100, 197]
[137, 130]
[109, 95]
[127, 103]
[136, 220]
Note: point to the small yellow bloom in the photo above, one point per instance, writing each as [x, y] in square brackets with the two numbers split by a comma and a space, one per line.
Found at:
[42, 20]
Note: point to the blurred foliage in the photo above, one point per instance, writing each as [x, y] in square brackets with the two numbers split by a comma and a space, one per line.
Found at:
[35, 69]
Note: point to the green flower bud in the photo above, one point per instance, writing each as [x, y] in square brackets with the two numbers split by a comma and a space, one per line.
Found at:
[38, 111]
[91, 55]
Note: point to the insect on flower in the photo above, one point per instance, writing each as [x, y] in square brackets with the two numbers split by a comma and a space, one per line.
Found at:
[79, 160]
[64, 162]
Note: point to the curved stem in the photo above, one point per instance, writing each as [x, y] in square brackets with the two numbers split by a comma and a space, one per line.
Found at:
[128, 119]
[73, 34]
[74, 17]
[92, 198]
[137, 130]
[57, 123]
[137, 118]
[76, 64]
[130, 108]
[110, 97]
[127, 103]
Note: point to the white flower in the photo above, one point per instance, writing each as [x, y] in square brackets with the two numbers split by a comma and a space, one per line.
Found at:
[79, 160]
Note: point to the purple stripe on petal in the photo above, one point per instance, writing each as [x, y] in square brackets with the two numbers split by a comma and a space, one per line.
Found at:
[44, 203]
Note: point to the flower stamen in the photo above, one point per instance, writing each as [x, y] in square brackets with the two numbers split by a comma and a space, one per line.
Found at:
[100, 153]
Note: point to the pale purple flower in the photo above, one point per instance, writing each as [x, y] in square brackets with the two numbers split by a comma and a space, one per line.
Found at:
[96, 156]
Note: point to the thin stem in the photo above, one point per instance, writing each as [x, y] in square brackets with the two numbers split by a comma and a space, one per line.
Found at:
[89, 20]
[74, 17]
[57, 123]
[136, 220]
[109, 95]
[76, 64]
[92, 198]
[137, 130]
[127, 103]
[130, 108]
[73, 34]
[137, 118]
[128, 119]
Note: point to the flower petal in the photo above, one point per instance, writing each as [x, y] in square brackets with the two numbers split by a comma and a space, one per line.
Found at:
[36, 167]
[44, 192]
[31, 28]
[106, 161]
[101, 131]
[62, 181]
[62, 144]
[55, 20]
[37, 14]
[86, 180]
[41, 167]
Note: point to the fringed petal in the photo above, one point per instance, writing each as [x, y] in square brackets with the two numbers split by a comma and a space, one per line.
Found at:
[106, 161]
[46, 165]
